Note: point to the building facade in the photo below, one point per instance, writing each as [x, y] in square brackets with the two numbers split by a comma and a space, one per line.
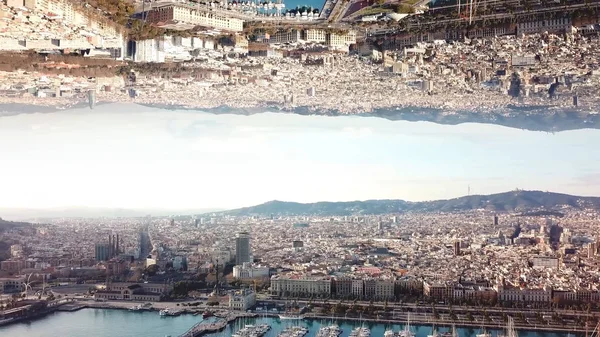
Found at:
[557, 25]
[12, 284]
[242, 300]
[134, 291]
[340, 40]
[291, 36]
[314, 35]
[248, 271]
[302, 286]
[242, 248]
[193, 16]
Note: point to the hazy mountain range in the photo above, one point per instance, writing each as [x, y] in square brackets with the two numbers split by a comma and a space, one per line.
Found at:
[514, 201]
[532, 202]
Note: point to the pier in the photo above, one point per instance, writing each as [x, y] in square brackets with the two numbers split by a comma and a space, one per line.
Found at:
[202, 328]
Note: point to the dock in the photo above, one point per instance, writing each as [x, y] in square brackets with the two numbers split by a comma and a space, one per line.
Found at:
[71, 307]
[202, 328]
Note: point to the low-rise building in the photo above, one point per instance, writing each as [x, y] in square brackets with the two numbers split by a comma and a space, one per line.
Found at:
[314, 35]
[242, 300]
[134, 291]
[340, 40]
[287, 36]
[12, 284]
[250, 271]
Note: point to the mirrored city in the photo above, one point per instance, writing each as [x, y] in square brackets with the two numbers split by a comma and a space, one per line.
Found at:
[356, 168]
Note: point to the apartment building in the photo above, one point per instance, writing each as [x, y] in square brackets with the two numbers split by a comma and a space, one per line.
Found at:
[291, 36]
[474, 293]
[384, 290]
[343, 287]
[358, 288]
[340, 40]
[13, 266]
[147, 51]
[537, 295]
[296, 285]
[185, 14]
[438, 290]
[558, 25]
[12, 284]
[545, 262]
[314, 35]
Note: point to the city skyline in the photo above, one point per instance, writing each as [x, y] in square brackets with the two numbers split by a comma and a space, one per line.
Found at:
[140, 158]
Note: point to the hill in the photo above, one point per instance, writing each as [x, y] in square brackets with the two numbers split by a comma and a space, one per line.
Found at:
[5, 244]
[514, 201]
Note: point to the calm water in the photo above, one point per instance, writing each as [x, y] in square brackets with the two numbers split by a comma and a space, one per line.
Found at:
[290, 4]
[102, 323]
[122, 323]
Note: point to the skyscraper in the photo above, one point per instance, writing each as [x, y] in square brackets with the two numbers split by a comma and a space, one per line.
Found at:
[242, 248]
[456, 247]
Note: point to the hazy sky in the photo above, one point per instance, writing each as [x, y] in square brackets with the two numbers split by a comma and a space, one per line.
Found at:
[134, 157]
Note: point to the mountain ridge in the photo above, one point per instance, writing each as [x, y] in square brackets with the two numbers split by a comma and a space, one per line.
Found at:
[512, 201]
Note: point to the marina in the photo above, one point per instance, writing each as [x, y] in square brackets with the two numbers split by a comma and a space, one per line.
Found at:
[295, 331]
[126, 323]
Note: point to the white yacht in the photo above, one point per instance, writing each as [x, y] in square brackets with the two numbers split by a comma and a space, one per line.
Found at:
[406, 332]
[291, 317]
[164, 312]
[360, 332]
[334, 330]
[483, 333]
[434, 333]
[136, 308]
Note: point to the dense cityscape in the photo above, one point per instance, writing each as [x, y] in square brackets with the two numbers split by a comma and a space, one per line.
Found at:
[447, 264]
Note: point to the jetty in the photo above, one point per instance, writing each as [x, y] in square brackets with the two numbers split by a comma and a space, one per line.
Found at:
[202, 328]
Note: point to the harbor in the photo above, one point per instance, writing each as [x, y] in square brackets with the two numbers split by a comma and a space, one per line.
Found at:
[131, 323]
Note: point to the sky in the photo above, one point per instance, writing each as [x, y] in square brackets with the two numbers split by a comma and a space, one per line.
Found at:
[134, 157]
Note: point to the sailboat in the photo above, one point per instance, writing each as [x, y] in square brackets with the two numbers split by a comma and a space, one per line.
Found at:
[510, 329]
[483, 333]
[289, 315]
[434, 332]
[407, 332]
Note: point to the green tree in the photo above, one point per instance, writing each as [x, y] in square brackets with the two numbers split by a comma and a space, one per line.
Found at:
[151, 270]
